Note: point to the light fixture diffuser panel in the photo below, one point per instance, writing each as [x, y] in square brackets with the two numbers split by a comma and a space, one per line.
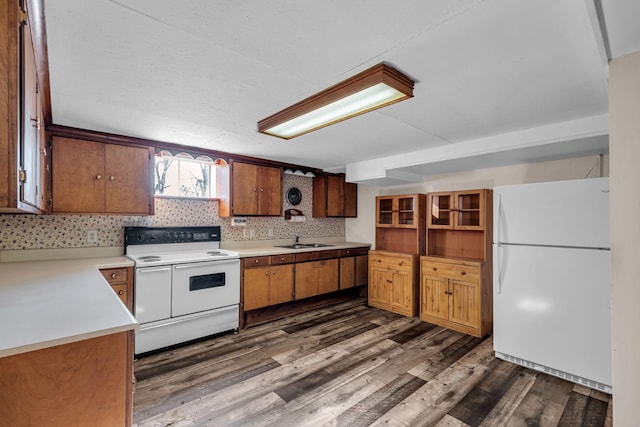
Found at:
[374, 88]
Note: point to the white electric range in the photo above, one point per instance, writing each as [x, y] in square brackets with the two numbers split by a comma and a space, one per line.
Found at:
[185, 286]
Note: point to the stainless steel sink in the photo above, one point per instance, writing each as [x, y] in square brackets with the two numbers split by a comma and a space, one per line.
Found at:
[294, 246]
[304, 245]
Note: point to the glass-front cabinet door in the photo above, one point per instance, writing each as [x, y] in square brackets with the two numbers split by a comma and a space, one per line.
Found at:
[440, 210]
[385, 211]
[469, 210]
[407, 211]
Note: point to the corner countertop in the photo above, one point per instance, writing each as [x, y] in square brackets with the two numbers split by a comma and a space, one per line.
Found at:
[270, 247]
[48, 303]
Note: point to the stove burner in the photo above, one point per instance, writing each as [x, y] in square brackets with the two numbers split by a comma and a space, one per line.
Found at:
[150, 258]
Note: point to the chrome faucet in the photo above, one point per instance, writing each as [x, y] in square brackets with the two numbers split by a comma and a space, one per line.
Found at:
[297, 240]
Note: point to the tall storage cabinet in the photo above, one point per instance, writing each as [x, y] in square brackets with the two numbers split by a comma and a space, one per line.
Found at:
[22, 137]
[394, 265]
[456, 274]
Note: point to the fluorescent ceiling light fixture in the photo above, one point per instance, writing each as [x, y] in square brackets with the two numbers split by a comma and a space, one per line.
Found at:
[376, 87]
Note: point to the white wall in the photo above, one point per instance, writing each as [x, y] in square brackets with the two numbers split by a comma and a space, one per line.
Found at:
[362, 229]
[624, 146]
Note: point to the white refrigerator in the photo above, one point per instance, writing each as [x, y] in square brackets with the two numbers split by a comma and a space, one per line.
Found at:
[551, 286]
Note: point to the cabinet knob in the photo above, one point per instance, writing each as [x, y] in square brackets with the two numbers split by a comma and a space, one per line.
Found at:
[401, 263]
[282, 259]
[98, 177]
[113, 275]
[463, 273]
[257, 261]
[266, 273]
[435, 269]
[43, 151]
[111, 178]
[261, 190]
[120, 292]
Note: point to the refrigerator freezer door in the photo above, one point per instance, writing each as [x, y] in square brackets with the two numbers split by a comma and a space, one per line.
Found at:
[563, 213]
[552, 307]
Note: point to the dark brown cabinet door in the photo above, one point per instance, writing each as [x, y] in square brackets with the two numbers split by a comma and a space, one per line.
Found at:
[347, 272]
[125, 166]
[269, 191]
[78, 181]
[335, 195]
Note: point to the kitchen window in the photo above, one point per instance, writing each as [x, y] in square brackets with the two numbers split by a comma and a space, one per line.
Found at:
[183, 176]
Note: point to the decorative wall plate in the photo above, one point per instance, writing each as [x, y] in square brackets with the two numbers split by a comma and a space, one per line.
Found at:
[294, 196]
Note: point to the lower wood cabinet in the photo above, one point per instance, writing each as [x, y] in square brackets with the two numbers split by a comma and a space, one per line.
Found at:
[457, 294]
[393, 282]
[121, 281]
[267, 280]
[83, 383]
[353, 267]
[316, 277]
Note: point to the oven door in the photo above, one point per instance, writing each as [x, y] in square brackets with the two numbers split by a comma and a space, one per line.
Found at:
[152, 293]
[205, 286]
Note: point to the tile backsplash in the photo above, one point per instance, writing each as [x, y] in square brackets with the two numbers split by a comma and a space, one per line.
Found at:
[70, 231]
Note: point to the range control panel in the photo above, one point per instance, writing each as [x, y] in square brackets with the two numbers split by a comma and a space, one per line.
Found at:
[160, 235]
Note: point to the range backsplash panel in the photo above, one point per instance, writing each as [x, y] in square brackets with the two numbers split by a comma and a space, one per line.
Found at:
[70, 231]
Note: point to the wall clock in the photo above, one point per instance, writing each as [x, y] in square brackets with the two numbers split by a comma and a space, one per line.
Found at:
[294, 196]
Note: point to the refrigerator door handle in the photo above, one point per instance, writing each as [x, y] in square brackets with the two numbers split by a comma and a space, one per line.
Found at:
[499, 220]
[498, 270]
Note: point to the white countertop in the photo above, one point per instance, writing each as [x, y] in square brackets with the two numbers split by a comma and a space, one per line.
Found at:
[47, 303]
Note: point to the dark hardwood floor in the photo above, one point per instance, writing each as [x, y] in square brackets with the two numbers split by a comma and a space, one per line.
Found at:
[353, 365]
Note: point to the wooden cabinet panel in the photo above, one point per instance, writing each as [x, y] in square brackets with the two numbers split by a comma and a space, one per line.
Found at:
[380, 281]
[392, 282]
[435, 300]
[256, 287]
[333, 197]
[126, 172]
[465, 303]
[362, 270]
[256, 190]
[281, 284]
[121, 281]
[86, 382]
[456, 294]
[77, 175]
[347, 272]
[403, 299]
[245, 188]
[270, 191]
[22, 167]
[328, 276]
[92, 177]
[307, 279]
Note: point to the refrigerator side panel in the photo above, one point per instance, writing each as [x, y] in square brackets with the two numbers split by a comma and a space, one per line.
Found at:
[563, 213]
[552, 307]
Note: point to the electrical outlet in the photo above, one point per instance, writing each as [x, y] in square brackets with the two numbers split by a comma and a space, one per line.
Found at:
[245, 233]
[252, 232]
[92, 236]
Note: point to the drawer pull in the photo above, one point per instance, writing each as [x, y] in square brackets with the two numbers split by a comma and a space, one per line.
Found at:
[401, 263]
[120, 292]
[113, 275]
[282, 259]
[448, 293]
[257, 261]
[435, 269]
[463, 273]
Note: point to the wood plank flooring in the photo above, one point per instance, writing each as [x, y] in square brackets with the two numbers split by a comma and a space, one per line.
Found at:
[353, 365]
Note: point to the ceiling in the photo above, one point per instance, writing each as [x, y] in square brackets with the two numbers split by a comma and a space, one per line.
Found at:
[497, 81]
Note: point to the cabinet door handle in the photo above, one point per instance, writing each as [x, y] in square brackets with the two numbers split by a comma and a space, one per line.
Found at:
[435, 269]
[98, 177]
[266, 273]
[448, 293]
[111, 178]
[463, 273]
[261, 190]
[401, 263]
[120, 292]
[389, 281]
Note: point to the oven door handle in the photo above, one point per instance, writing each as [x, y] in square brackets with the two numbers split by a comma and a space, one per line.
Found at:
[206, 264]
[153, 270]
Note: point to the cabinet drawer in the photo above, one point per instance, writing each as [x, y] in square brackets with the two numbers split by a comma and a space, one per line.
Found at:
[392, 262]
[328, 254]
[116, 275]
[362, 251]
[256, 261]
[307, 256]
[347, 252]
[281, 259]
[469, 273]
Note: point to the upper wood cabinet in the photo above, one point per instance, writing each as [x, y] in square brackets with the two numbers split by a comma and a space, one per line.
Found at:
[334, 197]
[22, 138]
[460, 210]
[400, 223]
[92, 177]
[249, 190]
